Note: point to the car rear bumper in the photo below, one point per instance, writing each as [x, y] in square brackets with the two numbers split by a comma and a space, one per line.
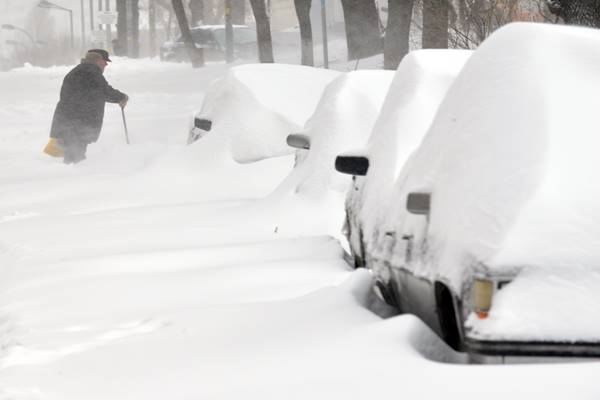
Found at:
[533, 348]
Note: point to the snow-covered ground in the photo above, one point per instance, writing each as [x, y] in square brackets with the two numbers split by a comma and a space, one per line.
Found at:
[160, 271]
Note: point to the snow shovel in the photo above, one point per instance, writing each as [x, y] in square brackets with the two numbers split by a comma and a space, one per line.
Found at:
[125, 125]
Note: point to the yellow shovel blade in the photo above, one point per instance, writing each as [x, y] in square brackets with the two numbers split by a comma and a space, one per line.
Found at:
[54, 149]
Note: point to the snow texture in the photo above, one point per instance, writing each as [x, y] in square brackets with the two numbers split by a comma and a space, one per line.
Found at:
[150, 272]
[510, 159]
[258, 105]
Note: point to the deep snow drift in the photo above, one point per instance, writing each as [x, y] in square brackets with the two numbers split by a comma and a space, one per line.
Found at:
[143, 273]
[510, 160]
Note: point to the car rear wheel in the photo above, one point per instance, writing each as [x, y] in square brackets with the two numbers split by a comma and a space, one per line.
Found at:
[447, 314]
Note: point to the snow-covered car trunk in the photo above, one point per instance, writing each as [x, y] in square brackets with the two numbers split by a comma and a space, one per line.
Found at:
[498, 222]
[256, 106]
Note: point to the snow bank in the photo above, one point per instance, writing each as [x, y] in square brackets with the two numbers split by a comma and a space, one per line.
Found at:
[123, 278]
[257, 105]
[511, 154]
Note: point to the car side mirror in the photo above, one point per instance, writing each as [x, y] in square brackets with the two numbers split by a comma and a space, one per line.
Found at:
[352, 165]
[298, 141]
[418, 203]
[204, 124]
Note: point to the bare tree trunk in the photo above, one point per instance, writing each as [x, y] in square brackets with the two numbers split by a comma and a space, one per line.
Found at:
[169, 25]
[435, 24]
[196, 55]
[135, 28]
[152, 26]
[121, 47]
[197, 9]
[213, 9]
[397, 32]
[363, 31]
[303, 13]
[228, 32]
[263, 31]
[238, 12]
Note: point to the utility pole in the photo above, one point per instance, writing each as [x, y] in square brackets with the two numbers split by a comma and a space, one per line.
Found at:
[228, 33]
[100, 27]
[108, 27]
[92, 27]
[82, 27]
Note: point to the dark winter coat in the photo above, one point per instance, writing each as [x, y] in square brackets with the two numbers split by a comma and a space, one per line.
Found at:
[80, 111]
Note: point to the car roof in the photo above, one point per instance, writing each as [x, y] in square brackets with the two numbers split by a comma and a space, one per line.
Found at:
[510, 157]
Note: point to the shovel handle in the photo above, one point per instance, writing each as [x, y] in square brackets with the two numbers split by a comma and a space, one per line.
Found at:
[125, 125]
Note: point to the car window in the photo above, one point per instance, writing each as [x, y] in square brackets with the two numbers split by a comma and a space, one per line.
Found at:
[240, 36]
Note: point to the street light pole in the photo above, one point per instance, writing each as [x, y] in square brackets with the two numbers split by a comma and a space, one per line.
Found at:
[108, 27]
[82, 27]
[92, 15]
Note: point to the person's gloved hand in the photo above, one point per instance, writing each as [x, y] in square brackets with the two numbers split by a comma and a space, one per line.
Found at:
[123, 102]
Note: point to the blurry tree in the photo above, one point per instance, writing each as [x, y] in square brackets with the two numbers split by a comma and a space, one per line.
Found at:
[238, 12]
[213, 11]
[135, 28]
[306, 38]
[196, 55]
[435, 24]
[128, 30]
[397, 33]
[165, 13]
[472, 21]
[576, 12]
[363, 28]
[263, 31]
[121, 45]
[197, 12]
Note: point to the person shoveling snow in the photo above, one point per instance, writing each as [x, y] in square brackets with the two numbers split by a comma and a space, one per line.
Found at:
[80, 111]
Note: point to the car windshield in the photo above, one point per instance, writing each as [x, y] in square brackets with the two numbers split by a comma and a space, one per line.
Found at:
[240, 36]
[201, 36]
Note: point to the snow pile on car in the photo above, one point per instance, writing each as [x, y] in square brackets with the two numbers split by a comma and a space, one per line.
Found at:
[257, 105]
[343, 120]
[511, 158]
[420, 83]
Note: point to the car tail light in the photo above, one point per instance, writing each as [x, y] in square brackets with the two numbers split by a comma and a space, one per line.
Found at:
[483, 290]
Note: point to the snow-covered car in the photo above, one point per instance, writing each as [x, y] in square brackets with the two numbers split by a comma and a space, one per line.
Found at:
[493, 238]
[257, 105]
[211, 38]
[419, 85]
[342, 120]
